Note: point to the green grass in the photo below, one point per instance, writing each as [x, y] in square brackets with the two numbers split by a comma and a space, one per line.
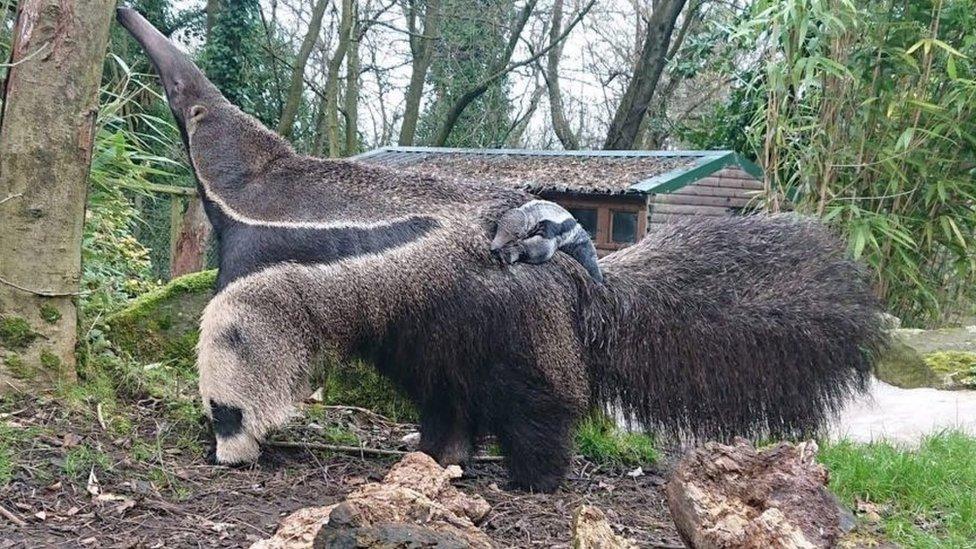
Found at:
[7, 452]
[79, 461]
[599, 440]
[335, 434]
[926, 497]
[359, 384]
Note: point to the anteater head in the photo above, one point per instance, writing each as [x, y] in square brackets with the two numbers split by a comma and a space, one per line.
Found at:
[226, 147]
[189, 92]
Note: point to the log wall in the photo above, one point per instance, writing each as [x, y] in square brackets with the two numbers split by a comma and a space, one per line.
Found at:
[724, 192]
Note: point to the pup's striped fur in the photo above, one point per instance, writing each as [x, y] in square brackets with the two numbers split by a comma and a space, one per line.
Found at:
[712, 328]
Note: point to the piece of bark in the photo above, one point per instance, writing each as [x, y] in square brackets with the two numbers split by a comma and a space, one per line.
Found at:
[591, 530]
[414, 506]
[735, 496]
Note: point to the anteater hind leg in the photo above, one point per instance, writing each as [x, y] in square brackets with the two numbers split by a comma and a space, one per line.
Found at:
[252, 372]
[446, 430]
[533, 422]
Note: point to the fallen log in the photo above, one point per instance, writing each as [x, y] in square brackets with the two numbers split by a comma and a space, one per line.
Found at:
[736, 496]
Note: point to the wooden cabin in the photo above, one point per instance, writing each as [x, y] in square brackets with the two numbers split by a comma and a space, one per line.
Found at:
[618, 196]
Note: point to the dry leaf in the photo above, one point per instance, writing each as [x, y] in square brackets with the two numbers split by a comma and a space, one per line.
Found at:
[869, 511]
[70, 440]
[93, 487]
[124, 503]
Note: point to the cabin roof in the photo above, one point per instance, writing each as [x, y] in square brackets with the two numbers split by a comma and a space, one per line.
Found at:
[582, 172]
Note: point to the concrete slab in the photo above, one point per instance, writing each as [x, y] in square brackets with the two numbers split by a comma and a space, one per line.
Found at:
[904, 415]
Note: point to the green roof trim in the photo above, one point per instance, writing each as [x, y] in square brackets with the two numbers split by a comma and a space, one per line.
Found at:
[709, 163]
[706, 163]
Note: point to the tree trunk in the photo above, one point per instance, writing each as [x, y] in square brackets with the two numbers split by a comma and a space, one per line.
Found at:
[647, 73]
[503, 66]
[352, 86]
[190, 251]
[295, 87]
[495, 71]
[327, 136]
[559, 123]
[422, 49]
[46, 134]
[514, 138]
[212, 7]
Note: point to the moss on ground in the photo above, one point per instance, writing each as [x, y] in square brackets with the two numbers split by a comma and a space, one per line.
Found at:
[17, 367]
[163, 325]
[359, 384]
[959, 366]
[50, 361]
[16, 332]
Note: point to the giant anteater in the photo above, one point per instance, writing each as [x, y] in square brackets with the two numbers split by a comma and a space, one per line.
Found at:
[708, 328]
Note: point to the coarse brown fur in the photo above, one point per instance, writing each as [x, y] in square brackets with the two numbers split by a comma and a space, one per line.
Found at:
[713, 327]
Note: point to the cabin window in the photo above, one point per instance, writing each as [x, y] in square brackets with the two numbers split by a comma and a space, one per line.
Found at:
[624, 227]
[587, 218]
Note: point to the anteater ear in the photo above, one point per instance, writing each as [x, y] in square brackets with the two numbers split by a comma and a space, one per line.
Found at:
[197, 112]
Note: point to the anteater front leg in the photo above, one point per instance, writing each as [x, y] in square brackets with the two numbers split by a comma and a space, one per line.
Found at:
[533, 420]
[254, 367]
[446, 430]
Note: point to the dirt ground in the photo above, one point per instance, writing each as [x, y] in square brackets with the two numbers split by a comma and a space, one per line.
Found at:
[75, 483]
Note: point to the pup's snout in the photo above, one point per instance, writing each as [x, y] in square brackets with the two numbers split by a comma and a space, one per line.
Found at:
[506, 254]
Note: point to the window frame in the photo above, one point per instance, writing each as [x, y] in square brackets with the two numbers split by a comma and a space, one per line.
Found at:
[613, 215]
[605, 204]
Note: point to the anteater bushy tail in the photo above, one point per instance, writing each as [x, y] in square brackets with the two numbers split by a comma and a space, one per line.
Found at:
[749, 326]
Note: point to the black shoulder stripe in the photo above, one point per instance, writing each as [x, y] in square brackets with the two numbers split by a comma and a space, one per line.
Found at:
[245, 249]
[549, 228]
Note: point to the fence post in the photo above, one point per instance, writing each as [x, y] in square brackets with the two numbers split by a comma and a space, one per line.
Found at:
[175, 224]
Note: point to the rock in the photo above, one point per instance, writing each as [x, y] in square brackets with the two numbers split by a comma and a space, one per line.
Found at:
[956, 368]
[735, 496]
[938, 359]
[943, 339]
[591, 530]
[163, 325]
[414, 506]
[903, 366]
[411, 440]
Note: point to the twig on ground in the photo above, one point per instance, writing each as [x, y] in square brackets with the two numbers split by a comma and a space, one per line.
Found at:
[357, 449]
[11, 197]
[362, 410]
[100, 416]
[12, 517]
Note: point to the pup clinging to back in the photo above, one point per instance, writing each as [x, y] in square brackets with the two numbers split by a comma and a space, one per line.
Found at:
[534, 231]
